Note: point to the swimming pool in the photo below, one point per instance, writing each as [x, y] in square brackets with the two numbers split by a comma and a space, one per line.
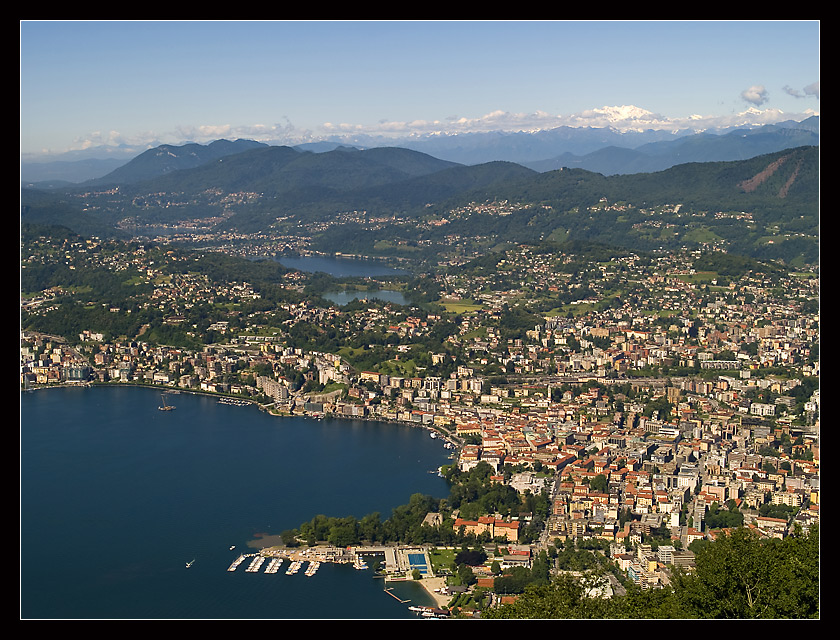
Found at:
[418, 561]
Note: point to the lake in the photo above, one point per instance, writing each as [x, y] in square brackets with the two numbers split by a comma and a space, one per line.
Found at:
[338, 266]
[117, 496]
[386, 295]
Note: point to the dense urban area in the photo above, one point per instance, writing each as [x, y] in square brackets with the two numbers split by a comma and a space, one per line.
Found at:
[655, 417]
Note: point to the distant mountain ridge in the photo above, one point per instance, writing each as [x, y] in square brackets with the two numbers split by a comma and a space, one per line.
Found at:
[740, 144]
[276, 171]
[770, 203]
[603, 150]
[168, 158]
[63, 172]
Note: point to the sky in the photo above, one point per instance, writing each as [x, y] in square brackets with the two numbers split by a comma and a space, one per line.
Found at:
[91, 84]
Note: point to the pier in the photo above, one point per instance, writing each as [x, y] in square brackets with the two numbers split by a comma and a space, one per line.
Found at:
[398, 562]
[396, 597]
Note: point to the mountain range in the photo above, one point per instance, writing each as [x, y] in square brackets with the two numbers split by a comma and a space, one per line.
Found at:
[739, 144]
[365, 200]
[603, 150]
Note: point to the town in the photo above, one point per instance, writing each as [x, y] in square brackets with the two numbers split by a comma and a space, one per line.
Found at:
[654, 400]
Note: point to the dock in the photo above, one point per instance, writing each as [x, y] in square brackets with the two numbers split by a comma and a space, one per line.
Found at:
[236, 562]
[255, 565]
[388, 591]
[274, 565]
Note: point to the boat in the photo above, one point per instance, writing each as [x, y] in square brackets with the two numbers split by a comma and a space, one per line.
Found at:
[232, 547]
[165, 407]
[236, 562]
[273, 565]
[255, 565]
[190, 563]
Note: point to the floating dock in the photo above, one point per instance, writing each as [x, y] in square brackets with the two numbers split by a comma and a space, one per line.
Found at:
[255, 565]
[274, 565]
[236, 562]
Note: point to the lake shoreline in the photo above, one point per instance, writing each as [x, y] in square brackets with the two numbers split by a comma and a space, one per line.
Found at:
[249, 401]
[213, 479]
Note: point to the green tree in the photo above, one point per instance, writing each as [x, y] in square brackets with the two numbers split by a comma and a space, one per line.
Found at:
[599, 483]
[740, 576]
[466, 575]
[736, 576]
[565, 597]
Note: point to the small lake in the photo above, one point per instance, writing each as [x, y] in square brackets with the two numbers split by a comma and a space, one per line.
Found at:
[339, 267]
[386, 295]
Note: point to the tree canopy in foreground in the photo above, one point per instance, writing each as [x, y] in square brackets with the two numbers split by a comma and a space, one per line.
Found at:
[738, 576]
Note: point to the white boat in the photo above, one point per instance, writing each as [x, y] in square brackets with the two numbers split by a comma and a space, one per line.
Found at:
[360, 564]
[255, 565]
[190, 563]
[236, 562]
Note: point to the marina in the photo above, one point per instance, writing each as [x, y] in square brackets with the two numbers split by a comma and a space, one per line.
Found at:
[397, 563]
[274, 565]
[255, 565]
[235, 402]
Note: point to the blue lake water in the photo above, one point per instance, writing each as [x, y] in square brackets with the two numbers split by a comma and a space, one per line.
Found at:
[117, 496]
[339, 267]
[387, 295]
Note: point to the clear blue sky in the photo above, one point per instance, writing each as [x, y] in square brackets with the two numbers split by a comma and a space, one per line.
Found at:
[97, 82]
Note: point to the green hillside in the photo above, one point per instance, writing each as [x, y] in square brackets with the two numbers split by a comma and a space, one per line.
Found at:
[765, 207]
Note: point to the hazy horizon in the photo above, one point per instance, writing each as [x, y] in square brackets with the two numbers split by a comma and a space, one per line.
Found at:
[90, 84]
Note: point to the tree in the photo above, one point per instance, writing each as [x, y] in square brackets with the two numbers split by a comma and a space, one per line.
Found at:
[466, 575]
[740, 576]
[471, 558]
[599, 483]
[564, 598]
[718, 518]
[736, 576]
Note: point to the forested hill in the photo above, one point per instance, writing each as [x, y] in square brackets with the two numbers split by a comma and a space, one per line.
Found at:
[780, 181]
[767, 206]
[167, 158]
